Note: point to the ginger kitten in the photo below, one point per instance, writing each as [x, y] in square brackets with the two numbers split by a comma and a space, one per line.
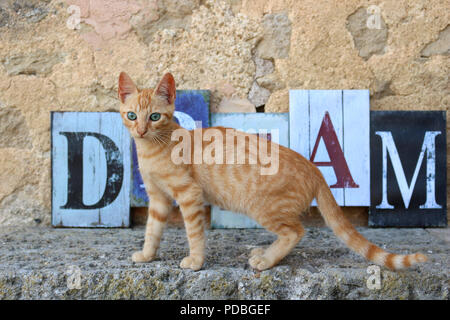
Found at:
[275, 201]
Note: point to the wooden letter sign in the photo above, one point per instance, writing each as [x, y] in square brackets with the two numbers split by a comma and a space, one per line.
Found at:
[331, 129]
[90, 170]
[408, 169]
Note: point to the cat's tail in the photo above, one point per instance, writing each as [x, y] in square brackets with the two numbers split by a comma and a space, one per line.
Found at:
[345, 231]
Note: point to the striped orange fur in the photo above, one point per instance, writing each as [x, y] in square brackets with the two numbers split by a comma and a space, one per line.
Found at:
[274, 201]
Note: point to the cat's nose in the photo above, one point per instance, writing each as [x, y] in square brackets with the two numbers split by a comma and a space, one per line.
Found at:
[141, 132]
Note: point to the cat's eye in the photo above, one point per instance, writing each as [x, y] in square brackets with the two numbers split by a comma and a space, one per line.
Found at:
[155, 116]
[131, 116]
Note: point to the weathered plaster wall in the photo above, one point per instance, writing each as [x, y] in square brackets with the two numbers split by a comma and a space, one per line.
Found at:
[249, 51]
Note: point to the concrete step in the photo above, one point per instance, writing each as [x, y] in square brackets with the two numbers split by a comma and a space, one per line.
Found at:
[47, 263]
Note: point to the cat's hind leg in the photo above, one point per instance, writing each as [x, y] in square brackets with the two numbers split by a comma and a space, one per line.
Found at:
[289, 230]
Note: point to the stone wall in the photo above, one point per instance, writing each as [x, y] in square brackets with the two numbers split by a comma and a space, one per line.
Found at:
[253, 51]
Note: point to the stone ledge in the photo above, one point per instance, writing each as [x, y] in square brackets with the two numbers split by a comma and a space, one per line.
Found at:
[34, 264]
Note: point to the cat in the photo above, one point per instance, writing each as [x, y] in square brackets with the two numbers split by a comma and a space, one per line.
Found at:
[275, 201]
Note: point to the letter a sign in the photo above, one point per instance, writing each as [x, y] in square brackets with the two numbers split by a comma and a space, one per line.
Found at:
[408, 169]
[90, 170]
[331, 129]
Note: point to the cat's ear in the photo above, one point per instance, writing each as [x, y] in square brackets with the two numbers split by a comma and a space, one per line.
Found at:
[126, 86]
[166, 88]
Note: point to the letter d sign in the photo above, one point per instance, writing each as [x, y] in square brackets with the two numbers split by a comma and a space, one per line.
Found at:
[90, 170]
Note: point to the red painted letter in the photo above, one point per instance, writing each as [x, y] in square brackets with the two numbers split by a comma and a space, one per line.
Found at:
[337, 159]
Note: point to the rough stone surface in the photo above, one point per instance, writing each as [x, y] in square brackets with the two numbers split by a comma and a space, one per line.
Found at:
[168, 14]
[104, 19]
[263, 67]
[36, 63]
[278, 101]
[23, 11]
[235, 105]
[218, 47]
[440, 46]
[370, 37]
[271, 82]
[39, 263]
[258, 95]
[276, 41]
[206, 45]
[14, 132]
[4, 17]
[21, 201]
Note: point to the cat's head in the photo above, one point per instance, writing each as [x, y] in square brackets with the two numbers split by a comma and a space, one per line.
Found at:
[147, 113]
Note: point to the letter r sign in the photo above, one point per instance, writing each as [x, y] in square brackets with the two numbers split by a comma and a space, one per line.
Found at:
[331, 129]
[90, 170]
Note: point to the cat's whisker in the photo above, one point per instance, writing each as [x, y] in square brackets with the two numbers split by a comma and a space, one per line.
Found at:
[163, 137]
[156, 139]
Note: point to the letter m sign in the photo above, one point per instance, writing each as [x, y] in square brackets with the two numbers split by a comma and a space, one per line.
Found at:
[408, 169]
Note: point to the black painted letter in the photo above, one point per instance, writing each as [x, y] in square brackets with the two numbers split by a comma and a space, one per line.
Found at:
[114, 173]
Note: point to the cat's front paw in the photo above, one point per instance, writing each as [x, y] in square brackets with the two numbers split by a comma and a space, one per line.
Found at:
[190, 262]
[139, 256]
[260, 262]
[258, 251]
